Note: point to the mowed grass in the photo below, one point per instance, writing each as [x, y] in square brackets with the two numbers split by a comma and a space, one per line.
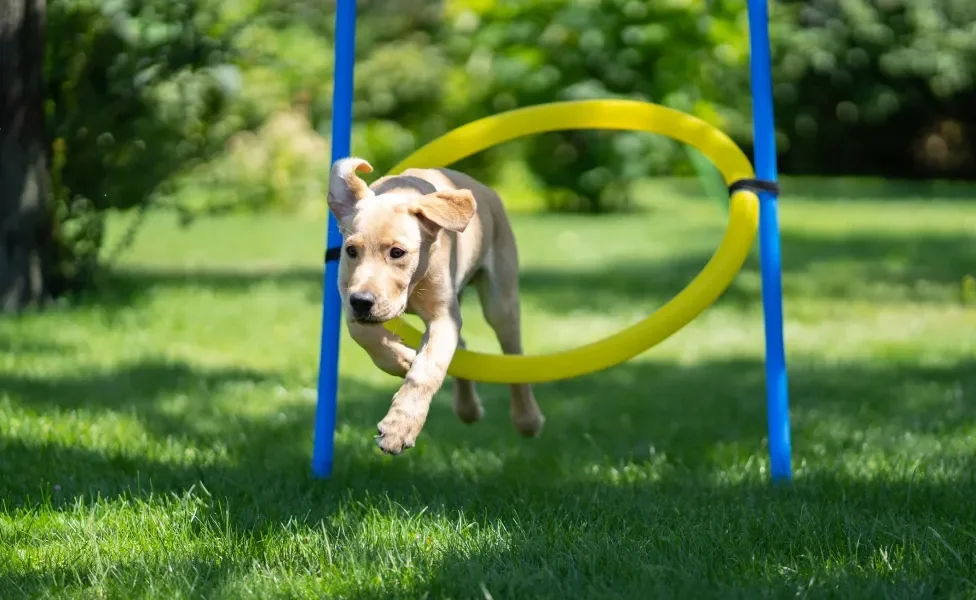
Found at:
[155, 439]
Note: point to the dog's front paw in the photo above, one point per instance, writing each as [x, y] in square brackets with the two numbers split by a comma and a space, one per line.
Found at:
[398, 431]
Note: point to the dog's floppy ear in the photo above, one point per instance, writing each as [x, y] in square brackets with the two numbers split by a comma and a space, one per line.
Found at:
[345, 187]
[450, 209]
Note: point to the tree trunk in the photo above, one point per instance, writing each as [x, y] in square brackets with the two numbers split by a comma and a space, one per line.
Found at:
[28, 253]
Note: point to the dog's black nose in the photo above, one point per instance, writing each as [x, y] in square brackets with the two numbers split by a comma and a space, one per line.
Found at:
[361, 303]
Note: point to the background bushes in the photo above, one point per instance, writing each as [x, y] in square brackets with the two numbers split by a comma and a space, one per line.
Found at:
[224, 105]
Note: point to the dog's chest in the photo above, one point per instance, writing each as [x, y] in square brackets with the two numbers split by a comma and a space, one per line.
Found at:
[457, 260]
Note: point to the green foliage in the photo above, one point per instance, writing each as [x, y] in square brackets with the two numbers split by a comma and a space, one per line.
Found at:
[135, 95]
[876, 86]
[524, 52]
[144, 97]
[219, 105]
[282, 166]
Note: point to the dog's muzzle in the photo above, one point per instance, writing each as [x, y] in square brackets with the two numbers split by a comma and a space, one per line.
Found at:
[361, 306]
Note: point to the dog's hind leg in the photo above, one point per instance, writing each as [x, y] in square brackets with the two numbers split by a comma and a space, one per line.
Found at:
[499, 295]
[467, 405]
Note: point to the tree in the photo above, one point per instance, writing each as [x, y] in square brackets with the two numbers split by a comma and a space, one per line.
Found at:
[28, 252]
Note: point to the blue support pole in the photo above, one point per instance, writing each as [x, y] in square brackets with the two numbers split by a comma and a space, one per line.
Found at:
[764, 140]
[323, 442]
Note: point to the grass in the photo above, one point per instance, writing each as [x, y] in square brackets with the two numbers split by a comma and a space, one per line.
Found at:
[155, 439]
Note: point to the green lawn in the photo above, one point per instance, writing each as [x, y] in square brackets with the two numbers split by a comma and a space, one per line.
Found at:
[155, 440]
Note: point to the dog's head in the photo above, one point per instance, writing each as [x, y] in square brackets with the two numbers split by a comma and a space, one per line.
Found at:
[389, 235]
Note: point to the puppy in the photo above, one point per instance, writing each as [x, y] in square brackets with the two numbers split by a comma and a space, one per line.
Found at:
[412, 243]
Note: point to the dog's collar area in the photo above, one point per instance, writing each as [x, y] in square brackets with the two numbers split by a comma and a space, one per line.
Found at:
[333, 254]
[754, 185]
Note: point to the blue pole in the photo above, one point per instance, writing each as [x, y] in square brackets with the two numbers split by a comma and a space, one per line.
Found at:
[323, 442]
[764, 140]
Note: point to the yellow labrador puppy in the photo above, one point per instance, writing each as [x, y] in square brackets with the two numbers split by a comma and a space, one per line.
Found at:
[412, 243]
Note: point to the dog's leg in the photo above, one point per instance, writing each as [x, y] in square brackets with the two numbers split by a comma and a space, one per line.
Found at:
[467, 405]
[387, 350]
[402, 424]
[498, 292]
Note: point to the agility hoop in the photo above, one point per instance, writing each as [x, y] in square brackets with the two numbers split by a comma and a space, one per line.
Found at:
[699, 294]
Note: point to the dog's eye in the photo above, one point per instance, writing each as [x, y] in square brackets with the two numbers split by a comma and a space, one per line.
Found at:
[351, 251]
[397, 252]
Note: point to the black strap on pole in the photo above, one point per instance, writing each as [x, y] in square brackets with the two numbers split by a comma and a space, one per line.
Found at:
[754, 185]
[333, 254]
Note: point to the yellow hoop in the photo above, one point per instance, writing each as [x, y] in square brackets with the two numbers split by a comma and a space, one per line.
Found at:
[621, 115]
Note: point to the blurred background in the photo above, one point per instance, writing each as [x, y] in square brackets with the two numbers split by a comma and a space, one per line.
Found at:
[215, 106]
[156, 429]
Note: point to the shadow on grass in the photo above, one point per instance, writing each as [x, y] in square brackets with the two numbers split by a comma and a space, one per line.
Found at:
[826, 537]
[125, 286]
[569, 531]
[887, 190]
[689, 413]
[901, 259]
[138, 578]
[136, 389]
[856, 267]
